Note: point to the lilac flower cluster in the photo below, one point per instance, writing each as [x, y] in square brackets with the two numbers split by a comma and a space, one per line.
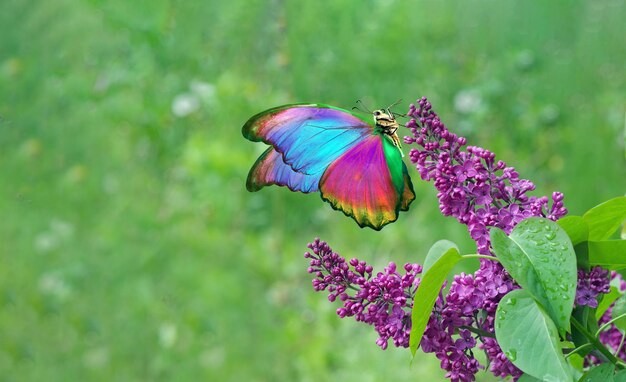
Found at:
[447, 333]
[479, 192]
[612, 337]
[473, 187]
[384, 300]
[590, 285]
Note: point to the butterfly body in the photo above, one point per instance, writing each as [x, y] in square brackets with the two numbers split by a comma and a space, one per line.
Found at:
[355, 165]
[386, 122]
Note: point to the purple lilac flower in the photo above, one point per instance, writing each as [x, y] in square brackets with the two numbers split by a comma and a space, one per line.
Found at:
[599, 280]
[479, 192]
[590, 285]
[612, 337]
[384, 300]
[473, 187]
[500, 366]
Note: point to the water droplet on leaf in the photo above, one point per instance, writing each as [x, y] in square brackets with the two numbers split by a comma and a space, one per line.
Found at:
[511, 354]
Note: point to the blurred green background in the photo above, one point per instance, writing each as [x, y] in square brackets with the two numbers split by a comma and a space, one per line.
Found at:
[129, 247]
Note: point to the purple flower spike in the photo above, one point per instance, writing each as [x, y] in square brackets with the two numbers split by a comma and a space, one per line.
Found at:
[473, 187]
[480, 192]
[384, 300]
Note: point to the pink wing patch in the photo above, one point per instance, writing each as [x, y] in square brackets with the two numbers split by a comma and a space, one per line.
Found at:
[359, 184]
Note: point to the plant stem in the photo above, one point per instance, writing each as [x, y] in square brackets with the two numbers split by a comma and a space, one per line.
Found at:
[581, 347]
[479, 256]
[595, 342]
[620, 344]
[480, 332]
[609, 323]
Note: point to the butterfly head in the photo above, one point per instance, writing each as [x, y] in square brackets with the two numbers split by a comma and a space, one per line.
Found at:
[383, 115]
[386, 121]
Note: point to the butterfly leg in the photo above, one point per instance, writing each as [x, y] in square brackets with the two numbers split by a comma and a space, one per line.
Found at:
[396, 141]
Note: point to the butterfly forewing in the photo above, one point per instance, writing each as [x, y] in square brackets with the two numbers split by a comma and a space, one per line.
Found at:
[310, 137]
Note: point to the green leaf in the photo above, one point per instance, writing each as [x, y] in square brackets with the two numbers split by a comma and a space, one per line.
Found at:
[528, 378]
[580, 313]
[587, 319]
[539, 256]
[577, 362]
[610, 254]
[601, 373]
[436, 251]
[582, 256]
[427, 293]
[619, 309]
[605, 218]
[620, 376]
[529, 338]
[576, 228]
[606, 302]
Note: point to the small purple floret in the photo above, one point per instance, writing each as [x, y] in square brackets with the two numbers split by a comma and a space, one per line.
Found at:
[590, 285]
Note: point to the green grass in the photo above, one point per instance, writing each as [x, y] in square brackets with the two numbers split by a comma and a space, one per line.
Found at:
[129, 248]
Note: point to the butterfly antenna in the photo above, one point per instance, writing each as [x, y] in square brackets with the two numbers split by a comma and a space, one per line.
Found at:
[395, 103]
[362, 104]
[357, 106]
[392, 105]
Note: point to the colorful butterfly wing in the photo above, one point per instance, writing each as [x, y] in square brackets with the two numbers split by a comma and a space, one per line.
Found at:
[408, 194]
[270, 169]
[309, 136]
[369, 183]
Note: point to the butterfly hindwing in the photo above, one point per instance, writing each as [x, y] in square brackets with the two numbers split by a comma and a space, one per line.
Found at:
[270, 169]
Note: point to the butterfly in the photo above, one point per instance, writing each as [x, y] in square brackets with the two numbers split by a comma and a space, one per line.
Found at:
[356, 165]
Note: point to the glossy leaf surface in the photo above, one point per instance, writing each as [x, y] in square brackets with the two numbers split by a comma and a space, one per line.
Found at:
[605, 218]
[427, 293]
[539, 256]
[529, 338]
